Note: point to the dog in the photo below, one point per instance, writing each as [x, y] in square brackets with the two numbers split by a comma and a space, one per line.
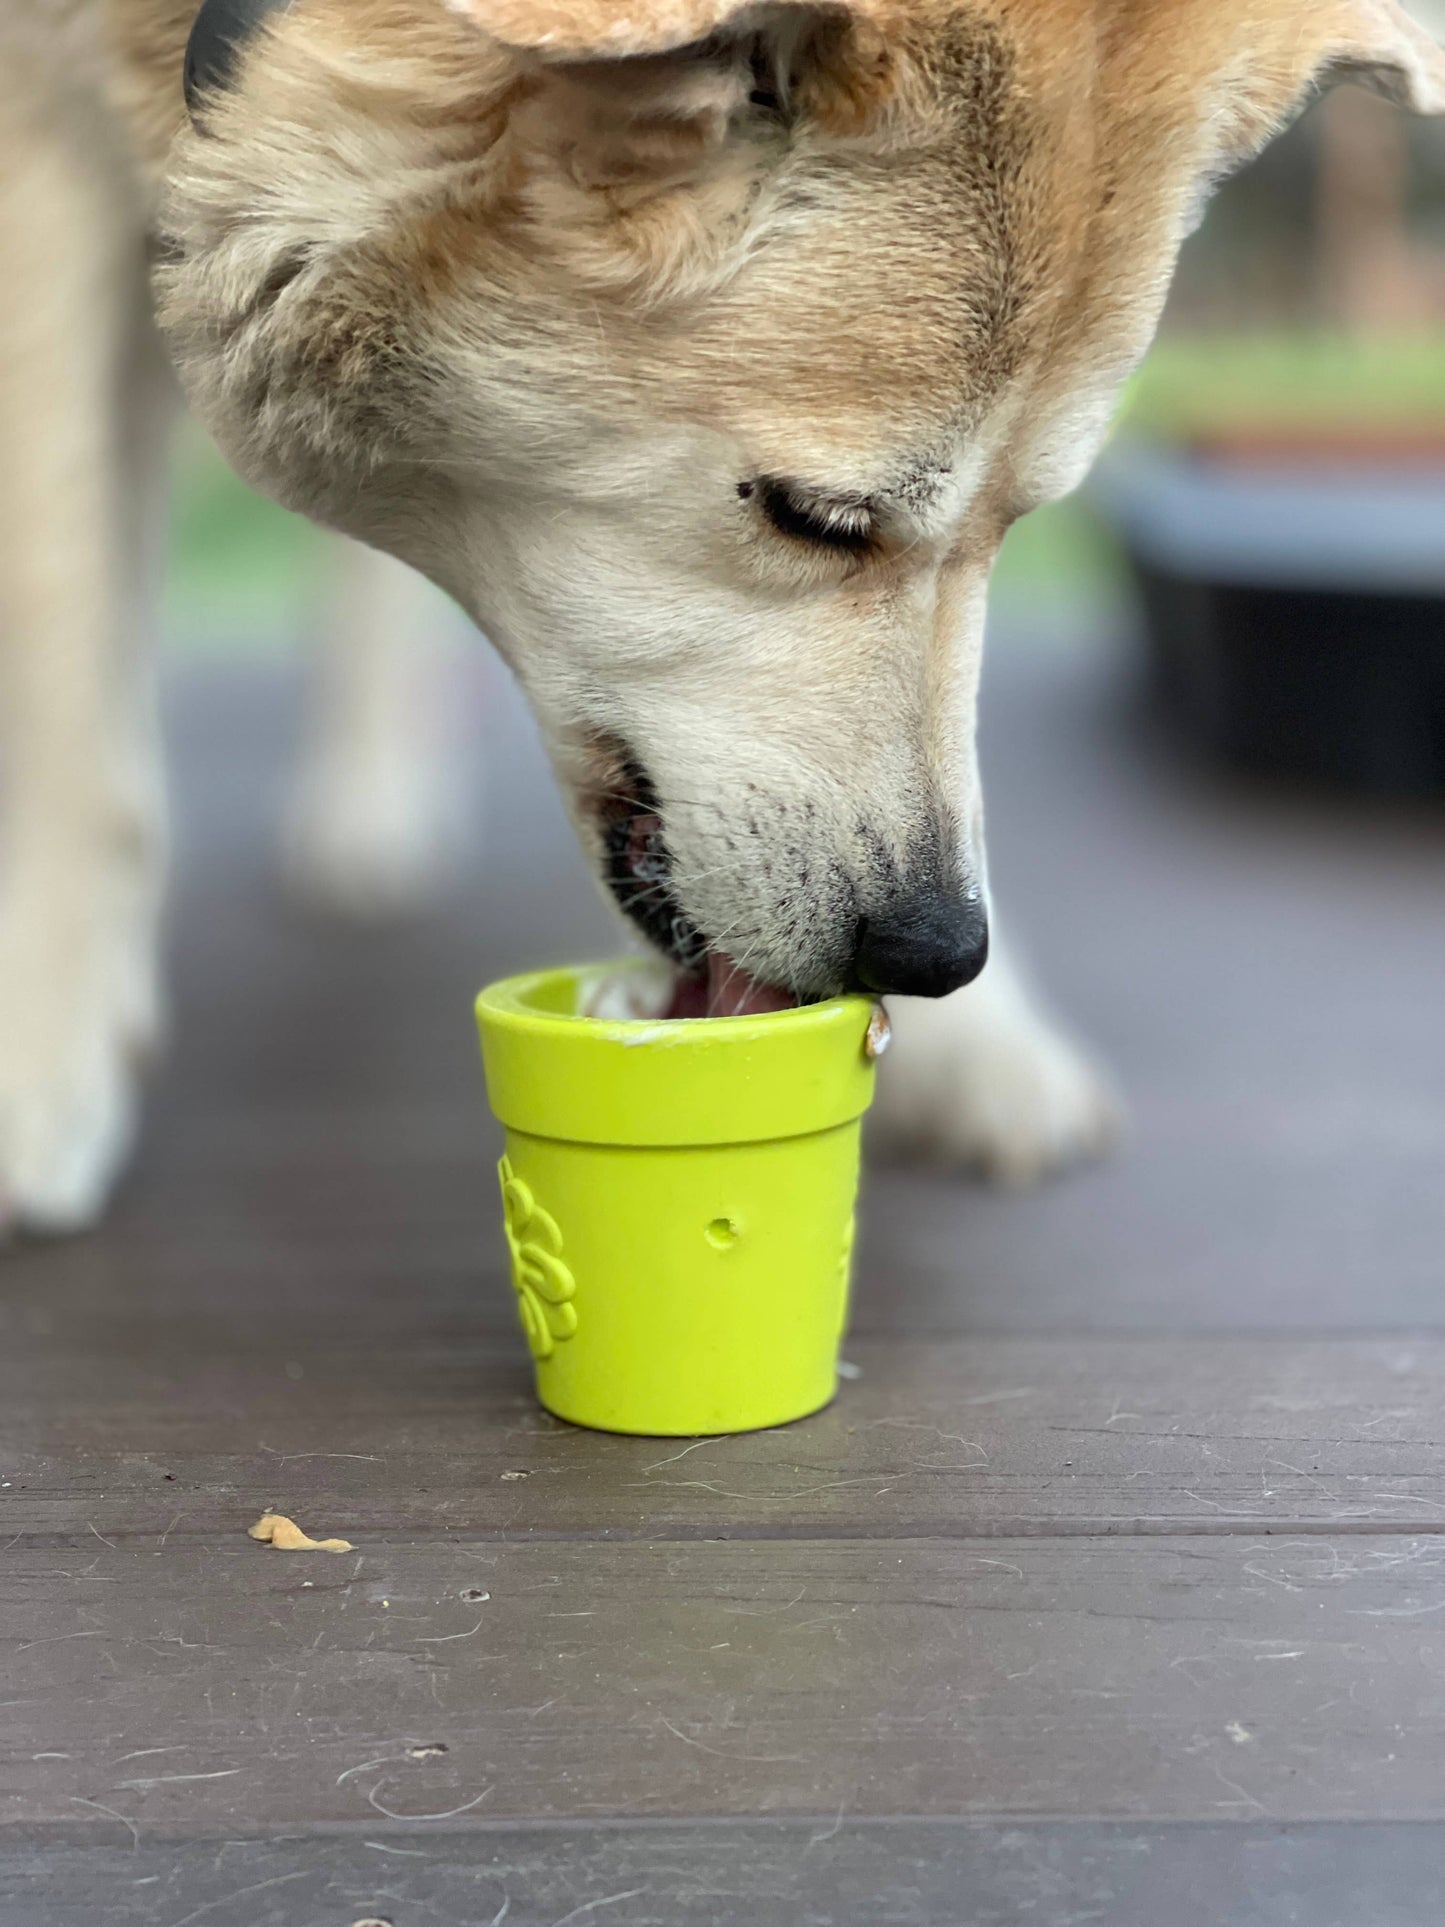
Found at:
[702, 350]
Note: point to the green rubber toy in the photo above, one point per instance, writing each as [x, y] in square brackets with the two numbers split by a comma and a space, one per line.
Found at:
[678, 1198]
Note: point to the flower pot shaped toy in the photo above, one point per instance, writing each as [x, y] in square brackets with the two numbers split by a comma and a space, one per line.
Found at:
[678, 1199]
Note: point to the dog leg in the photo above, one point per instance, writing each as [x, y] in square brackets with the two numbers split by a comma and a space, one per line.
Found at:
[984, 1079]
[81, 845]
[366, 827]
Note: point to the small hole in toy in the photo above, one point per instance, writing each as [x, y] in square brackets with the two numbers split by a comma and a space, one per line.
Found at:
[721, 1234]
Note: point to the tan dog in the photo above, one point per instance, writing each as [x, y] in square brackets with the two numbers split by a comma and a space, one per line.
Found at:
[703, 351]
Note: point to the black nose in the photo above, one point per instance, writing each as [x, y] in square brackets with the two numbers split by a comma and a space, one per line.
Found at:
[924, 947]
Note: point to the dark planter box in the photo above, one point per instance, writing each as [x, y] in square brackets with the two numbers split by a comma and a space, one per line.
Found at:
[1295, 621]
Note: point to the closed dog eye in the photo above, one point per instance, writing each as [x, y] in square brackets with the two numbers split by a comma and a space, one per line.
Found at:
[838, 522]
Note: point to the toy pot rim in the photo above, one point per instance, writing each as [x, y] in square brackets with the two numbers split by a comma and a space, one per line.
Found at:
[553, 1071]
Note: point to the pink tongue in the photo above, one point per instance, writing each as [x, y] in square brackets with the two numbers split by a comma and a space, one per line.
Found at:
[726, 991]
[732, 993]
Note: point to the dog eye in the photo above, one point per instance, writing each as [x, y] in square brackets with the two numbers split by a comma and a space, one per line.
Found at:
[840, 522]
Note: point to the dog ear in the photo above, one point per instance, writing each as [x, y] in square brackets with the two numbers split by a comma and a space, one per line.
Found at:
[1379, 46]
[642, 126]
[613, 29]
[670, 74]
[1272, 68]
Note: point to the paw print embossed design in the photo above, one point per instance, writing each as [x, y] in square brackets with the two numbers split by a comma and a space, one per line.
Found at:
[545, 1286]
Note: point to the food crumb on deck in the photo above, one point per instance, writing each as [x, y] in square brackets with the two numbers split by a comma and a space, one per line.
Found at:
[275, 1529]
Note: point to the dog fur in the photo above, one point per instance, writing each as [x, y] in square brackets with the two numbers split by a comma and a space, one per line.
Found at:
[584, 310]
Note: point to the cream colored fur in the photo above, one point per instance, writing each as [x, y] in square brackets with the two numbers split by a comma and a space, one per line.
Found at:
[521, 291]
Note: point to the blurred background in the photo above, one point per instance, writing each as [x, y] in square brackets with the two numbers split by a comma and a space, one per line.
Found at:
[1214, 744]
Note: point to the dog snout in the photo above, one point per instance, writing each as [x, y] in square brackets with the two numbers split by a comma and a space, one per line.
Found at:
[928, 945]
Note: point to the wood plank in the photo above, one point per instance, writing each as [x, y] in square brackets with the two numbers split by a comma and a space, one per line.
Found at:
[916, 1607]
[225, 1689]
[194, 1425]
[769, 1873]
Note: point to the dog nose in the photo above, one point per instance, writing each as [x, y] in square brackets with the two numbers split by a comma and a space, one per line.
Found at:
[926, 946]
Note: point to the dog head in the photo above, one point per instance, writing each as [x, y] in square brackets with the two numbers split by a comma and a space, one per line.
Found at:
[705, 350]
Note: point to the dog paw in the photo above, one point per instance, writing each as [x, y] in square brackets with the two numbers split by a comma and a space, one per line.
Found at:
[983, 1081]
[73, 1033]
[63, 1144]
[363, 842]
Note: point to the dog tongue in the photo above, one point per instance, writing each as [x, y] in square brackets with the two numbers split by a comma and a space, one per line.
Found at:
[732, 993]
[725, 991]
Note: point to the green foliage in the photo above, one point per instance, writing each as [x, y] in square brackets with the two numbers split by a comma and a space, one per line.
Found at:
[240, 569]
[1219, 384]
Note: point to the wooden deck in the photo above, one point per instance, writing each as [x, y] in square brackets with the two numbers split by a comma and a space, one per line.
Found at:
[1113, 1590]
